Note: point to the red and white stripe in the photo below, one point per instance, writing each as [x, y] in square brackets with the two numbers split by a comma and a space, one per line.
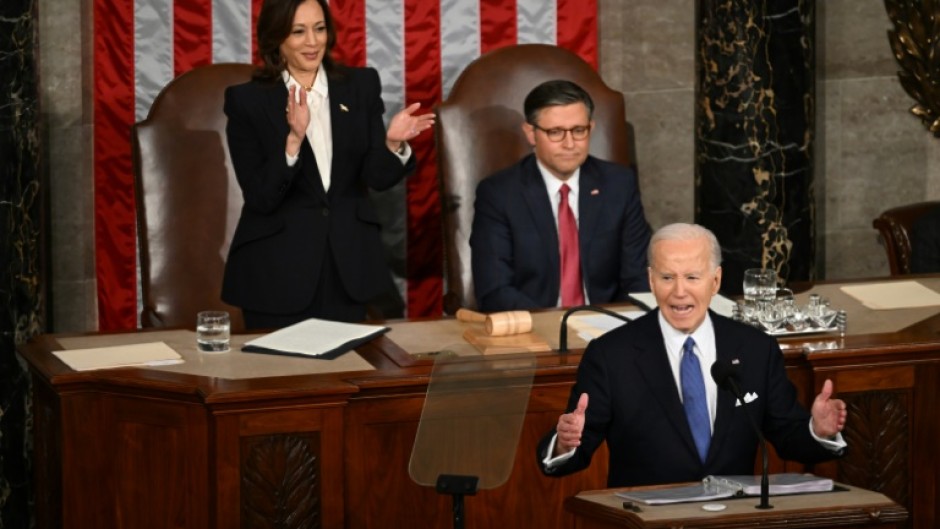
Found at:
[418, 46]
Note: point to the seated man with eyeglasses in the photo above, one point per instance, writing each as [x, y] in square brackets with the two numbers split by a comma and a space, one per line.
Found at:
[559, 227]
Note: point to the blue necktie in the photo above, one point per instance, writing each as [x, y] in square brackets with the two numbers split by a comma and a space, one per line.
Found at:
[693, 398]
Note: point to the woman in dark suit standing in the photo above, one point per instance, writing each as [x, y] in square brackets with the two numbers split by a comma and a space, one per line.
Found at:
[307, 140]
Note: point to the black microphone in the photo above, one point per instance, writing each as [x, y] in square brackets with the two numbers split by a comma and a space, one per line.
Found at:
[563, 331]
[726, 375]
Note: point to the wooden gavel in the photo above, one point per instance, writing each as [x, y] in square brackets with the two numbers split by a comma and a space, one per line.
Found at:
[499, 323]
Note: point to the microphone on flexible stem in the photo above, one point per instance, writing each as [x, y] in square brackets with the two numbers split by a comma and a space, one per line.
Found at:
[563, 331]
[725, 375]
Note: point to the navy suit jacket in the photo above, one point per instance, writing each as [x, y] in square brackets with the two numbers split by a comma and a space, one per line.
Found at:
[515, 259]
[288, 221]
[634, 404]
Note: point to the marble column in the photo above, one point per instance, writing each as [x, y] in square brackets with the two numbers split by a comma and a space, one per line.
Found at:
[754, 131]
[20, 255]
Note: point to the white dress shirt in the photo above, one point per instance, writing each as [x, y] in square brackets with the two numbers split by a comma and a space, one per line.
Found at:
[319, 129]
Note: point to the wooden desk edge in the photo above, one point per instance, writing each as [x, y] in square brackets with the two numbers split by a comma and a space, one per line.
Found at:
[882, 511]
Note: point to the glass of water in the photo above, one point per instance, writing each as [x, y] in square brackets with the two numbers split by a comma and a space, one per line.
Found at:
[760, 287]
[213, 331]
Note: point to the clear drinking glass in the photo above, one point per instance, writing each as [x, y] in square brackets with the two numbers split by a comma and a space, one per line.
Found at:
[213, 331]
[760, 288]
[760, 284]
[798, 317]
[771, 316]
[823, 316]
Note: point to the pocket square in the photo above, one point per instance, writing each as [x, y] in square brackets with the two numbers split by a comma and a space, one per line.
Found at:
[749, 397]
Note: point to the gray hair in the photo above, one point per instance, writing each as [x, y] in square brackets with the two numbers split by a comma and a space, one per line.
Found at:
[681, 231]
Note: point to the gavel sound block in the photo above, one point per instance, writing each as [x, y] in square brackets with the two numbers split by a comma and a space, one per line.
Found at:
[503, 332]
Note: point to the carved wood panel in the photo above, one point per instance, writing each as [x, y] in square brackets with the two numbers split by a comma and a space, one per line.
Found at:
[879, 439]
[281, 481]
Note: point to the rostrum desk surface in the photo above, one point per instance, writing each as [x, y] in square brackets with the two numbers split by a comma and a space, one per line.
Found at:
[851, 508]
[158, 447]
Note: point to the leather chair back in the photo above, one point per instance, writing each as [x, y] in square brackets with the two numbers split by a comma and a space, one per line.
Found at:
[894, 225]
[188, 200]
[480, 131]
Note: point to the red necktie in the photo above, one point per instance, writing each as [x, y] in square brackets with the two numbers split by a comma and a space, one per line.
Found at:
[571, 292]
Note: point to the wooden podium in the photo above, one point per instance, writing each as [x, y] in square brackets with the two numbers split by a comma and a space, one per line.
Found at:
[854, 507]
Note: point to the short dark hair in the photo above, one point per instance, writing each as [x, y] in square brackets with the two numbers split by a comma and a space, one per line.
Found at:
[555, 93]
[274, 26]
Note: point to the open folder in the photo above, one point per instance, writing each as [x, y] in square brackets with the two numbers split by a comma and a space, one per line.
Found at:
[315, 338]
[719, 487]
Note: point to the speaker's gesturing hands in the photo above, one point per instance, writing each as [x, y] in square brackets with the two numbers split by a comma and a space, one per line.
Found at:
[570, 426]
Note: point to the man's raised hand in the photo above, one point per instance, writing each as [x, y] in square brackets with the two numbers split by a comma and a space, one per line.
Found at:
[570, 426]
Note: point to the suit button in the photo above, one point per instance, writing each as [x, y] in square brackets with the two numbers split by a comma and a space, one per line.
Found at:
[326, 212]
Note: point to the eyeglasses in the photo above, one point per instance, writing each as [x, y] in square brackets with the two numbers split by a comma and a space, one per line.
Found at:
[556, 135]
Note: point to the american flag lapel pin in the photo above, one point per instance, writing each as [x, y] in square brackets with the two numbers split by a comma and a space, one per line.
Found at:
[343, 108]
[595, 192]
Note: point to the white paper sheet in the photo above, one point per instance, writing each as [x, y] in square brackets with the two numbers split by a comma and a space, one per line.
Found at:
[893, 295]
[142, 354]
[316, 337]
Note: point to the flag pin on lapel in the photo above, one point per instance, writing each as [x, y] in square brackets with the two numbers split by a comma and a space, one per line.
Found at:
[735, 362]
[595, 192]
[343, 108]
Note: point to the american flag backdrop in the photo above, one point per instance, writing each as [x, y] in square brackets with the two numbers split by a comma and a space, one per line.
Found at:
[419, 48]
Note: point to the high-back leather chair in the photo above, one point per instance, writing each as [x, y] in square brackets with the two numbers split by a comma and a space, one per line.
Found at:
[480, 131]
[894, 225]
[188, 200]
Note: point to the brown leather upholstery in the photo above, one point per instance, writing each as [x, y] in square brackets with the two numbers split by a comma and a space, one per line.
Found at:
[480, 131]
[895, 228]
[188, 200]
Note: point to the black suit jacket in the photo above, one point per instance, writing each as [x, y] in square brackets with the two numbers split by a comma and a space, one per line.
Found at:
[514, 242]
[634, 405]
[288, 220]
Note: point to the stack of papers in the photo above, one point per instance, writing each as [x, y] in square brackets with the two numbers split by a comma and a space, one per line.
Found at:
[718, 487]
[142, 354]
[315, 338]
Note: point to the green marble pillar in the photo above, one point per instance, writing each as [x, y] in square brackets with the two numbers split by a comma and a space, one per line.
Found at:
[754, 132]
[20, 284]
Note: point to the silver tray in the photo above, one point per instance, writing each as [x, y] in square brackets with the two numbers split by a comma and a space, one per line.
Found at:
[786, 331]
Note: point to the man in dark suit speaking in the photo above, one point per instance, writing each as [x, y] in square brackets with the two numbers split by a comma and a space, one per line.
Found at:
[559, 227]
[645, 387]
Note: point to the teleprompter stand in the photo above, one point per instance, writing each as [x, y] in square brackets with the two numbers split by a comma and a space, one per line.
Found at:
[458, 487]
[470, 424]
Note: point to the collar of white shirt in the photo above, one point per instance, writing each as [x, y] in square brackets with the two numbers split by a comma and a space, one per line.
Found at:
[553, 185]
[320, 86]
[704, 337]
